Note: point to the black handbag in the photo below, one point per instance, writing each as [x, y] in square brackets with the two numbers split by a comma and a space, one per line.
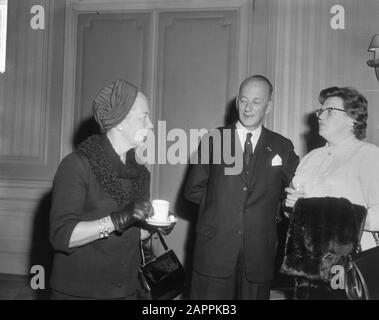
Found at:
[164, 275]
[361, 274]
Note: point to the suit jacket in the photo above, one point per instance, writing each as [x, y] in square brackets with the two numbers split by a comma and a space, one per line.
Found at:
[239, 211]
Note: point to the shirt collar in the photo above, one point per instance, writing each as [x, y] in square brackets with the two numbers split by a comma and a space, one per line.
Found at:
[242, 132]
[240, 127]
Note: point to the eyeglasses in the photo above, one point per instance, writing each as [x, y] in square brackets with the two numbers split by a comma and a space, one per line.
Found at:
[244, 102]
[320, 111]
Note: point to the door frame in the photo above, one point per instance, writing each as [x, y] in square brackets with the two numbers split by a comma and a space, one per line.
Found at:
[249, 11]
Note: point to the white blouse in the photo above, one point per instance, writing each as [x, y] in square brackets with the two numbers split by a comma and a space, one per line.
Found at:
[349, 170]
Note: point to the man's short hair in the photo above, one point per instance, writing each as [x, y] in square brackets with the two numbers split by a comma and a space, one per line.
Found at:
[258, 78]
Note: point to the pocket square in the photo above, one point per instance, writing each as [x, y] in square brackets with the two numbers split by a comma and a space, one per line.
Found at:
[276, 161]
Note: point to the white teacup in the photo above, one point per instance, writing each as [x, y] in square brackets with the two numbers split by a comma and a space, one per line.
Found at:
[161, 209]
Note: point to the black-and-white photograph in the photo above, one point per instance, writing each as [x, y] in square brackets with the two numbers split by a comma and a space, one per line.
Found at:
[198, 150]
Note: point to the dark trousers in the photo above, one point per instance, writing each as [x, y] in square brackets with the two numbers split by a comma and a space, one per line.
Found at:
[236, 287]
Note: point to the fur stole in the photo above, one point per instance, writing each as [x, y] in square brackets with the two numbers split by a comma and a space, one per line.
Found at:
[322, 233]
[106, 176]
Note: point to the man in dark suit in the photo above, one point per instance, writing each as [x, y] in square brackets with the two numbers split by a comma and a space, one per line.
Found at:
[236, 235]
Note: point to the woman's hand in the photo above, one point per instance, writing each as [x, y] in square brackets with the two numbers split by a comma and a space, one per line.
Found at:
[293, 194]
[129, 216]
[165, 230]
[142, 210]
[145, 234]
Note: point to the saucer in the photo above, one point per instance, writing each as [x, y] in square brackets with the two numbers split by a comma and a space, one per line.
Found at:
[160, 223]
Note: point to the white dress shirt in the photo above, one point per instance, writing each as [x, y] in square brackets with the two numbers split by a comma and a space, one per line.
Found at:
[349, 170]
[242, 132]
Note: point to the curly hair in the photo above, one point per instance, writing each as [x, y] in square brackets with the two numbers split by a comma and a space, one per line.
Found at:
[354, 103]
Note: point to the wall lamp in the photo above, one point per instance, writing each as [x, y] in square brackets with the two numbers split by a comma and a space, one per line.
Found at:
[374, 46]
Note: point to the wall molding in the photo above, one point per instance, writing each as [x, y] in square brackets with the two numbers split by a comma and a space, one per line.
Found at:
[119, 5]
[16, 263]
[75, 7]
[244, 9]
[40, 156]
[19, 201]
[23, 190]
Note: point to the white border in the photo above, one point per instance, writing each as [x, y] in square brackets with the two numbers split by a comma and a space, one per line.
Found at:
[3, 34]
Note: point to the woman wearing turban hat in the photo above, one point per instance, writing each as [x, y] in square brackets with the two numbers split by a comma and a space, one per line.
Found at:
[100, 201]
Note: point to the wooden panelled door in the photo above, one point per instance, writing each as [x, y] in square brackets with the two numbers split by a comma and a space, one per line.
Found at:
[109, 46]
[187, 61]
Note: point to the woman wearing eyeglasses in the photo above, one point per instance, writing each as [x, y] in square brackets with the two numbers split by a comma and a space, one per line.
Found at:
[346, 167]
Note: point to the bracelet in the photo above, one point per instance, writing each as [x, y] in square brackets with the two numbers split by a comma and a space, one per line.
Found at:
[103, 228]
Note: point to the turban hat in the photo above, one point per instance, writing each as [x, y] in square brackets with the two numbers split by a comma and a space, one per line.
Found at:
[113, 102]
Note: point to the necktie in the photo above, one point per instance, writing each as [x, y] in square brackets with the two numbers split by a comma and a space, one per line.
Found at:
[248, 149]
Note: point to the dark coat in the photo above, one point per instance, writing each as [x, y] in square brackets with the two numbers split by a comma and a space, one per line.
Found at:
[105, 268]
[238, 212]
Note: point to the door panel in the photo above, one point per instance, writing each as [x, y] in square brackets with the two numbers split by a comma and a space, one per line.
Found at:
[110, 46]
[187, 62]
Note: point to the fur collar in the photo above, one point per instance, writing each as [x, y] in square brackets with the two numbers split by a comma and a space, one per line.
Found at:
[106, 171]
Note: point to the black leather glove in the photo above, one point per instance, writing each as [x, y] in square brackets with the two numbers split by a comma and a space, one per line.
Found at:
[139, 211]
[166, 230]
